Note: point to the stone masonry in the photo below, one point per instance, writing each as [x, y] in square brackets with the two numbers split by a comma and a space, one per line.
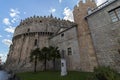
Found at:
[106, 35]
[90, 41]
[87, 54]
[31, 30]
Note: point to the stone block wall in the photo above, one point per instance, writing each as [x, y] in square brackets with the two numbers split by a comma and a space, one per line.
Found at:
[87, 53]
[105, 35]
[68, 39]
[29, 30]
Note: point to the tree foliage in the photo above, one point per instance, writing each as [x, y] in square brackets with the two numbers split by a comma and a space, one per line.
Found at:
[54, 53]
[35, 55]
[45, 54]
[50, 53]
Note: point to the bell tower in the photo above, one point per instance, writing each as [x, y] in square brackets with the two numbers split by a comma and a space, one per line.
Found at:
[88, 58]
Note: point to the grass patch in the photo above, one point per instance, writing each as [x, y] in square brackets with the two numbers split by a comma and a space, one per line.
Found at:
[49, 75]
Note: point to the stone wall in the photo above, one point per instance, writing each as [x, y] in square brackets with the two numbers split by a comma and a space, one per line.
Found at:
[26, 33]
[87, 53]
[105, 35]
[95, 40]
[22, 46]
[41, 24]
[68, 39]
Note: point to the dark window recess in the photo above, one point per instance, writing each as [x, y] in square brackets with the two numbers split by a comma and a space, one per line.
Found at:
[69, 51]
[115, 14]
[28, 30]
[40, 21]
[35, 43]
[62, 34]
[119, 51]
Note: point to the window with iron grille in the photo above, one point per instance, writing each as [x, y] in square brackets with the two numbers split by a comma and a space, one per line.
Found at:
[115, 14]
[69, 51]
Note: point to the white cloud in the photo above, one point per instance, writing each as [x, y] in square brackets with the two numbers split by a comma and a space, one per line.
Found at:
[3, 56]
[16, 19]
[14, 13]
[6, 21]
[0, 36]
[7, 42]
[60, 1]
[97, 1]
[68, 15]
[100, 1]
[13, 20]
[8, 36]
[10, 29]
[24, 12]
[52, 10]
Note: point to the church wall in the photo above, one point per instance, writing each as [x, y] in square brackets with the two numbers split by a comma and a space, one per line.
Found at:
[68, 39]
[105, 35]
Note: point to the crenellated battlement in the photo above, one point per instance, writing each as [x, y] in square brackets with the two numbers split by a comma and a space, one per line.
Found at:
[39, 19]
[41, 24]
[85, 3]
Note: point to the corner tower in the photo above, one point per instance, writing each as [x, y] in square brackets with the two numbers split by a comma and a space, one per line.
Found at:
[88, 58]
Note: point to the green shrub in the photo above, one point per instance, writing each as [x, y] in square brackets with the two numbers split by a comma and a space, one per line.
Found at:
[104, 73]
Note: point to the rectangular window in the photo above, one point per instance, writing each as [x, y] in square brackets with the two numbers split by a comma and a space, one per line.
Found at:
[69, 51]
[62, 34]
[118, 13]
[115, 14]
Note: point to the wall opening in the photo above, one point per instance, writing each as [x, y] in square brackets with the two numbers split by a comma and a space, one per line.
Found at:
[28, 30]
[35, 43]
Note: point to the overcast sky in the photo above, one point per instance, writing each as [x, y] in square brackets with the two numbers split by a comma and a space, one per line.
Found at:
[12, 11]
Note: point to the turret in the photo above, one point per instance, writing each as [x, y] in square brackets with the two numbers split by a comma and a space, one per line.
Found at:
[87, 52]
[81, 10]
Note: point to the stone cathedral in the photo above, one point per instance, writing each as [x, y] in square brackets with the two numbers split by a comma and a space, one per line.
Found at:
[92, 40]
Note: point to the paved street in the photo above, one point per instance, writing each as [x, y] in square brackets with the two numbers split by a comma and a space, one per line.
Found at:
[3, 75]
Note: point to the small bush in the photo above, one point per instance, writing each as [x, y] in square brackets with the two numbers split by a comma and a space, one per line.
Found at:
[104, 73]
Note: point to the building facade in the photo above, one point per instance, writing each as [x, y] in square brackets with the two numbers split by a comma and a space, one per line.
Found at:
[92, 40]
[104, 25]
[31, 33]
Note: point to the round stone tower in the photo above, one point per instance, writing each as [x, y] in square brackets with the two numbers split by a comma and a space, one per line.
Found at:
[31, 33]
